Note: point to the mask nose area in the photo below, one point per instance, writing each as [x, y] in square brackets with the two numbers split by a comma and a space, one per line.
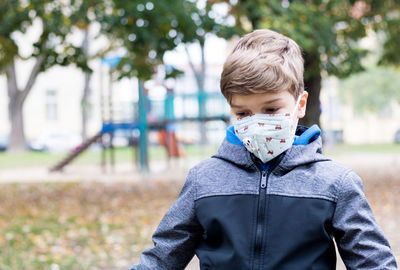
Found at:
[249, 144]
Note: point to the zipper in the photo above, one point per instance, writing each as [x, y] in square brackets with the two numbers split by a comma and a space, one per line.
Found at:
[263, 179]
[260, 220]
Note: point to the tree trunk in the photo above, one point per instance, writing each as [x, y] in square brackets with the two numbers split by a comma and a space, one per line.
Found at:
[313, 111]
[200, 76]
[86, 89]
[16, 100]
[17, 135]
[312, 84]
[15, 115]
[203, 98]
[85, 106]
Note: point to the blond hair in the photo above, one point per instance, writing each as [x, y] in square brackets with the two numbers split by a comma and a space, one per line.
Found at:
[263, 61]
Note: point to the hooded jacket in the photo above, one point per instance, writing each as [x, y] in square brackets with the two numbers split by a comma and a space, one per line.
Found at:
[235, 214]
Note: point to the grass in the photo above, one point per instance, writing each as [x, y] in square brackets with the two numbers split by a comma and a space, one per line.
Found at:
[13, 160]
[32, 159]
[126, 154]
[389, 148]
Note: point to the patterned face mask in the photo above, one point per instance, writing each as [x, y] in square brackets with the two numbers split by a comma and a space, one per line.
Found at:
[266, 135]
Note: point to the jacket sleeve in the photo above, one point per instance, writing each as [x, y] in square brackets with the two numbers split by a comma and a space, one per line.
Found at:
[360, 241]
[177, 234]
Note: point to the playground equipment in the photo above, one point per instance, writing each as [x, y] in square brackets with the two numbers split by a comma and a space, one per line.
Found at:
[211, 106]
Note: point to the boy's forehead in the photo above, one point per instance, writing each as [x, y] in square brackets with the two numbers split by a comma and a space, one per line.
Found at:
[261, 98]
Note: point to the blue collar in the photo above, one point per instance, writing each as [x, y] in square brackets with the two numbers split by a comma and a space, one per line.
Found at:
[307, 136]
[232, 137]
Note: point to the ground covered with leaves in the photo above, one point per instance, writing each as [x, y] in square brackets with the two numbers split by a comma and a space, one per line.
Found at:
[79, 225]
[106, 225]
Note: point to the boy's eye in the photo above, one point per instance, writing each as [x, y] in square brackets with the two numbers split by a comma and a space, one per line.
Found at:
[271, 110]
[242, 114]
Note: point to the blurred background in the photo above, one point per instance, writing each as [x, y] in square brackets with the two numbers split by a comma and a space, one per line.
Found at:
[106, 105]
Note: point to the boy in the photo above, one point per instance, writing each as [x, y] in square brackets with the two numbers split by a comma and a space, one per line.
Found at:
[268, 199]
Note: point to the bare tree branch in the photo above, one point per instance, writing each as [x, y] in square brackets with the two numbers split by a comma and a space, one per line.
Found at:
[32, 78]
[196, 74]
[203, 62]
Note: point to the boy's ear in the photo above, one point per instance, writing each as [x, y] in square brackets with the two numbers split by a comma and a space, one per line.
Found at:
[302, 105]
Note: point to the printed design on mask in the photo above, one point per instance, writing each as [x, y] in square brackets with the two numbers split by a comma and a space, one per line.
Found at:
[265, 135]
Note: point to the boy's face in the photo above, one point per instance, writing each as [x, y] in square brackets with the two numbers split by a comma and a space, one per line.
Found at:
[268, 103]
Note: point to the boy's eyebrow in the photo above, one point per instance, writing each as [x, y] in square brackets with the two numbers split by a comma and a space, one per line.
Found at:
[235, 106]
[267, 102]
[272, 100]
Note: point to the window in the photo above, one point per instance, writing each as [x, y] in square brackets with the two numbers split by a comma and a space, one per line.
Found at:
[51, 105]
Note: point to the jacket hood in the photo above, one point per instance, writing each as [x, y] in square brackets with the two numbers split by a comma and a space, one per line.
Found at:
[295, 156]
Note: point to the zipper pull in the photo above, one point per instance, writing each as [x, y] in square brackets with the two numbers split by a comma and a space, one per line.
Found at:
[264, 179]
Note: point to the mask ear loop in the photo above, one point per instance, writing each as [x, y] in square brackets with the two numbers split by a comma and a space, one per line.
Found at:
[296, 106]
[294, 111]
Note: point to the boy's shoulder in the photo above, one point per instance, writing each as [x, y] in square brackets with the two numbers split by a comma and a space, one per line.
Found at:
[216, 176]
[215, 167]
[323, 178]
